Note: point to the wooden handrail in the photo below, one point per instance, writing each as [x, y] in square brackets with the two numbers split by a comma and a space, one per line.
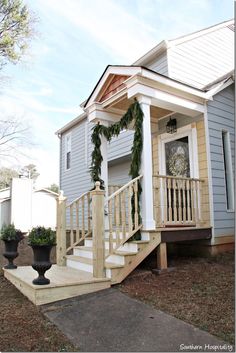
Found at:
[124, 187]
[79, 213]
[177, 177]
[78, 198]
[123, 214]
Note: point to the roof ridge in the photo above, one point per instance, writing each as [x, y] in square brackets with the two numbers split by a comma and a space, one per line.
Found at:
[206, 29]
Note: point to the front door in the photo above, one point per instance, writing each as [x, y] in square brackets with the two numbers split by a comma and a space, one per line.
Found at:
[178, 163]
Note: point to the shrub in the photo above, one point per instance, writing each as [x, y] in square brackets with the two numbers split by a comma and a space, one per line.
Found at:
[42, 236]
[9, 232]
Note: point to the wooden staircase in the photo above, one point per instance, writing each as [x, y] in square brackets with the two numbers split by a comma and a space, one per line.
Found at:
[123, 260]
[91, 258]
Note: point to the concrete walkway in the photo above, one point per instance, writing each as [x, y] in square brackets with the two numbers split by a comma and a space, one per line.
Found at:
[111, 321]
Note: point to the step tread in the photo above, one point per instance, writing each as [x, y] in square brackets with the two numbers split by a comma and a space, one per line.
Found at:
[116, 252]
[87, 261]
[125, 253]
[140, 241]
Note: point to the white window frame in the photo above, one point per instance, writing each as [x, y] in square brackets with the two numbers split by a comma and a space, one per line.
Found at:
[228, 171]
[67, 136]
[189, 131]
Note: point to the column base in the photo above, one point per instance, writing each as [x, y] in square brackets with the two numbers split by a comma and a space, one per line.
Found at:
[149, 224]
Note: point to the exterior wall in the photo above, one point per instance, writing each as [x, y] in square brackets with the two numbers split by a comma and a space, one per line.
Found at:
[118, 174]
[5, 212]
[221, 117]
[4, 193]
[203, 172]
[204, 59]
[121, 145]
[160, 64]
[76, 180]
[44, 207]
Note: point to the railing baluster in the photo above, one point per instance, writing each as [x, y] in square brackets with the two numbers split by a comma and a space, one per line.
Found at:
[198, 202]
[193, 200]
[130, 223]
[169, 200]
[188, 201]
[184, 202]
[164, 184]
[136, 204]
[83, 220]
[77, 221]
[110, 226]
[123, 212]
[117, 205]
[71, 226]
[180, 216]
[174, 200]
[89, 212]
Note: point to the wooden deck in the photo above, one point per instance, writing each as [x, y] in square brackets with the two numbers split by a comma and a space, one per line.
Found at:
[177, 234]
[65, 282]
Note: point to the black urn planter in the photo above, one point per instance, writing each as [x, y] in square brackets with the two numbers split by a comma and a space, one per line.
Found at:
[10, 253]
[41, 262]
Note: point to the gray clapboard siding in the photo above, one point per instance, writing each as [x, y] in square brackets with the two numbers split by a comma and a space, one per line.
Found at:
[77, 180]
[121, 145]
[203, 59]
[160, 64]
[118, 174]
[221, 118]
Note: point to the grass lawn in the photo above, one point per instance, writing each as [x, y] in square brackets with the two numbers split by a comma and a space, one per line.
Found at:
[23, 328]
[199, 291]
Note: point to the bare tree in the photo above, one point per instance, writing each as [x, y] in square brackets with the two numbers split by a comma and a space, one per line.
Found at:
[14, 136]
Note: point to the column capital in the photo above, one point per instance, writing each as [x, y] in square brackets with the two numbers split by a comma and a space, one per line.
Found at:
[142, 99]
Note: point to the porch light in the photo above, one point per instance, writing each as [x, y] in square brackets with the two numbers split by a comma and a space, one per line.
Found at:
[171, 126]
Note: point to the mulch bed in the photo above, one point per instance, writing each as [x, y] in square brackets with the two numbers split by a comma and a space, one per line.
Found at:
[199, 291]
[23, 328]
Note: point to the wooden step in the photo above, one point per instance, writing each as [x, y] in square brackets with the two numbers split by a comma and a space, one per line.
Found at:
[65, 282]
[89, 262]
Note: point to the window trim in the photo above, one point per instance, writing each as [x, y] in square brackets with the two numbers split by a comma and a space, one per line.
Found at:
[228, 170]
[68, 135]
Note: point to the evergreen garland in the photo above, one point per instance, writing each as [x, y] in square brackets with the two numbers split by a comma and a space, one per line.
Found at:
[134, 113]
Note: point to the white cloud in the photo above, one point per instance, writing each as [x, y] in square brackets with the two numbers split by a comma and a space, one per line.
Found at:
[114, 29]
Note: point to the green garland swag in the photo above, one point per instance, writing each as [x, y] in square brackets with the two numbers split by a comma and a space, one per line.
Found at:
[134, 113]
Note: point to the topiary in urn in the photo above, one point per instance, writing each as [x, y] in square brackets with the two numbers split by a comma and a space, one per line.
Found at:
[41, 240]
[11, 237]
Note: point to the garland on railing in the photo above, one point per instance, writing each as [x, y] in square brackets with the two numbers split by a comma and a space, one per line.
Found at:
[134, 113]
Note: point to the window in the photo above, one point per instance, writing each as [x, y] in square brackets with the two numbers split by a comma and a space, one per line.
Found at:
[228, 170]
[68, 151]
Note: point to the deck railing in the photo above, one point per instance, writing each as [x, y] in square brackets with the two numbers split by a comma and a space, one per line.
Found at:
[123, 214]
[79, 219]
[113, 188]
[177, 201]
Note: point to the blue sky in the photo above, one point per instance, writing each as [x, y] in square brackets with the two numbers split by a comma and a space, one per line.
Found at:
[76, 40]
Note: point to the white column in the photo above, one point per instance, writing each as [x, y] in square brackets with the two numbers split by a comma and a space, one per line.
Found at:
[104, 166]
[104, 172]
[146, 166]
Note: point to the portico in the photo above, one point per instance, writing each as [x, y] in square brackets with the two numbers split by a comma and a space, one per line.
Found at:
[159, 98]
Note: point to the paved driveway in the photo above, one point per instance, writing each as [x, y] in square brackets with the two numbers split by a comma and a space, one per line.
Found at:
[110, 321]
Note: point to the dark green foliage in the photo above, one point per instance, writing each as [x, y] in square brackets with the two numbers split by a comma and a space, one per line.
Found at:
[9, 232]
[134, 113]
[42, 236]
